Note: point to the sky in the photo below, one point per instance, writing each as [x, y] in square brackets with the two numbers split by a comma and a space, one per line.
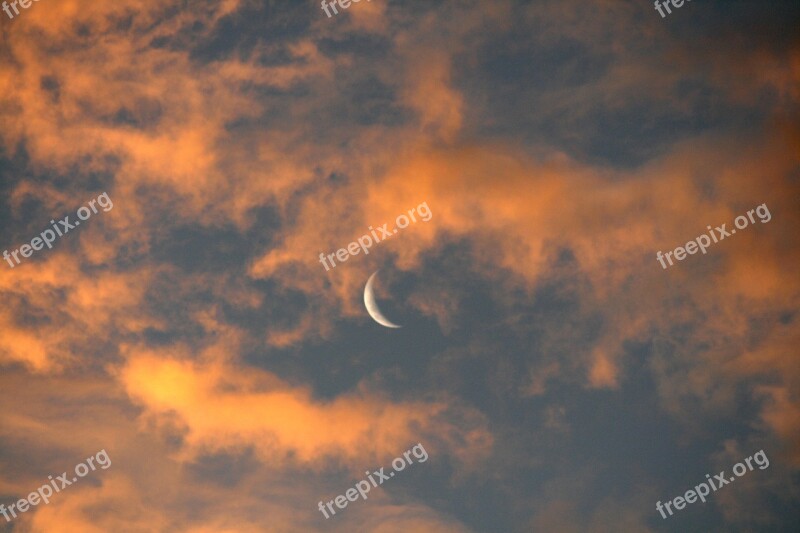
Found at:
[598, 292]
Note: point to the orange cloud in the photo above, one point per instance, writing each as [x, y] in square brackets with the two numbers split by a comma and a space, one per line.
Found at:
[222, 407]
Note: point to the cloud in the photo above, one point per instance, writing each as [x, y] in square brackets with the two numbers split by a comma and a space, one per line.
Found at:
[559, 145]
[218, 407]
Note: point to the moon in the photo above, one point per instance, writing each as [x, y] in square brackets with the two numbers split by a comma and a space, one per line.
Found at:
[372, 305]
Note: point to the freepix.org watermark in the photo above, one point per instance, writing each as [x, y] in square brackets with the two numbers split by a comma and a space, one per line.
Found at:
[365, 241]
[665, 4]
[702, 490]
[48, 236]
[363, 486]
[344, 4]
[704, 241]
[44, 492]
[23, 3]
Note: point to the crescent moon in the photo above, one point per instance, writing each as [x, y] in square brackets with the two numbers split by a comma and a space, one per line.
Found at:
[372, 305]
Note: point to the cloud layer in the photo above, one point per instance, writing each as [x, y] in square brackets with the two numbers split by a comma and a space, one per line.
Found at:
[558, 376]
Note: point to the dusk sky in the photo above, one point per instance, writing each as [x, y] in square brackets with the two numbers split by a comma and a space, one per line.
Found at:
[583, 214]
